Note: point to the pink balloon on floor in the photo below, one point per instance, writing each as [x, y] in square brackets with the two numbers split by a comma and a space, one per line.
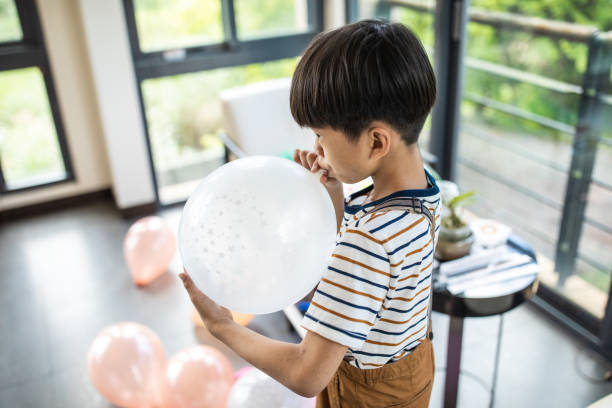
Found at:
[199, 376]
[126, 364]
[149, 246]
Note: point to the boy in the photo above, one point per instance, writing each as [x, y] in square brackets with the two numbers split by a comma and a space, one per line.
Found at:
[365, 89]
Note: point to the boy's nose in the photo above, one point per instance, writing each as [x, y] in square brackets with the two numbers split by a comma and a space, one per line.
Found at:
[317, 148]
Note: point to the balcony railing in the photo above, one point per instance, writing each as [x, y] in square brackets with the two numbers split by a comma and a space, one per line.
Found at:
[594, 106]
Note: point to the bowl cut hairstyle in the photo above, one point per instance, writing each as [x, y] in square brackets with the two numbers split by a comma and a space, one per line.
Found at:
[362, 72]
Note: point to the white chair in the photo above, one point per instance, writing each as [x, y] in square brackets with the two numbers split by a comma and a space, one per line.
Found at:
[258, 120]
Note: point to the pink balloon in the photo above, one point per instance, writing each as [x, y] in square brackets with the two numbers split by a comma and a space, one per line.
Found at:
[199, 376]
[148, 248]
[242, 372]
[126, 364]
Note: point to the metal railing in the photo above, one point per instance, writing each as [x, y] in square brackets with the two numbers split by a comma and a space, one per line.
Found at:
[586, 135]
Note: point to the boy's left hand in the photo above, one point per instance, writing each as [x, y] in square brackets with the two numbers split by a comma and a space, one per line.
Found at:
[210, 312]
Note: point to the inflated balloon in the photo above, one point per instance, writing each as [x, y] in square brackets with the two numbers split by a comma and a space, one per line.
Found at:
[242, 319]
[255, 389]
[257, 233]
[242, 372]
[126, 363]
[199, 376]
[148, 248]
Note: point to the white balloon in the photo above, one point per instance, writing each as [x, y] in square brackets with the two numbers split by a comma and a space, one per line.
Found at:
[255, 389]
[257, 233]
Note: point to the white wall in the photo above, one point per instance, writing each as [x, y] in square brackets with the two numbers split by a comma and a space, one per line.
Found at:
[68, 58]
[108, 48]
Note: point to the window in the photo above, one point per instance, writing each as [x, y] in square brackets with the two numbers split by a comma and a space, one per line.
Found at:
[529, 93]
[534, 139]
[186, 52]
[416, 15]
[33, 150]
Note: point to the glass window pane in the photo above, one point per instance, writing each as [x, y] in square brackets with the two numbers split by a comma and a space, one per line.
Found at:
[270, 18]
[520, 104]
[184, 118]
[29, 148]
[10, 29]
[169, 24]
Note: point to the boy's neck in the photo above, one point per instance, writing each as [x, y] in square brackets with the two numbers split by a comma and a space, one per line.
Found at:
[402, 169]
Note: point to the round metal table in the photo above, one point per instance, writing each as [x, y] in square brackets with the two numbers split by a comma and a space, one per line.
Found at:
[496, 299]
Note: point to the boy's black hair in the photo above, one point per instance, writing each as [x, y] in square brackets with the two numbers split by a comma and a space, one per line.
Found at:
[362, 72]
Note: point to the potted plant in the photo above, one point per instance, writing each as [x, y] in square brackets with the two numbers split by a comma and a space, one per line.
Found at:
[455, 238]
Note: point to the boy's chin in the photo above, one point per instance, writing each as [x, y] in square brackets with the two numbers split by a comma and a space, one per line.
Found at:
[347, 180]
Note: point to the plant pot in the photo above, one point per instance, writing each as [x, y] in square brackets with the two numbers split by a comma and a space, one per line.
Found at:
[454, 243]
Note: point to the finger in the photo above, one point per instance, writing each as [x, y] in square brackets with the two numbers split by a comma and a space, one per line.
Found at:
[303, 159]
[311, 158]
[324, 176]
[296, 156]
[188, 283]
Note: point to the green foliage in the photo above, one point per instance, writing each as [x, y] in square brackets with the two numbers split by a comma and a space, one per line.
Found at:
[10, 30]
[28, 142]
[184, 114]
[177, 24]
[454, 220]
[264, 18]
[462, 199]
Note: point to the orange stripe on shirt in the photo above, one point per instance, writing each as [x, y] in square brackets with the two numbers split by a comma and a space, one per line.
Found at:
[399, 357]
[344, 258]
[408, 299]
[341, 315]
[426, 266]
[363, 234]
[412, 253]
[371, 364]
[404, 230]
[414, 275]
[351, 290]
[375, 215]
[404, 321]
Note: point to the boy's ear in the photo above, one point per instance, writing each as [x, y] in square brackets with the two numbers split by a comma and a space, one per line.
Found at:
[379, 141]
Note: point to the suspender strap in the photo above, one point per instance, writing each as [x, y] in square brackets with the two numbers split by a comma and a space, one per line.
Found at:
[413, 205]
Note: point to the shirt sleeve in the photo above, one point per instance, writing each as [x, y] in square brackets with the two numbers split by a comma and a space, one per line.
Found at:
[352, 290]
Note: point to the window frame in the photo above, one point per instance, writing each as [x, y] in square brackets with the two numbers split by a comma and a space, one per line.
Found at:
[29, 52]
[231, 52]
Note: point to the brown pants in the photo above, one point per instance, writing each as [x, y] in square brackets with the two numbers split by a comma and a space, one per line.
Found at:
[404, 384]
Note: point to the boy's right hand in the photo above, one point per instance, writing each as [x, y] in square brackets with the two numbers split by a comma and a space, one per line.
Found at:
[310, 161]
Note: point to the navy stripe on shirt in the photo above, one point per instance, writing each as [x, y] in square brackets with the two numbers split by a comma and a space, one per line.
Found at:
[350, 275]
[389, 223]
[409, 242]
[355, 335]
[346, 303]
[363, 250]
[409, 310]
[402, 332]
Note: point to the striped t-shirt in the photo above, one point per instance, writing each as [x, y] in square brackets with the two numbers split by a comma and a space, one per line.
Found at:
[374, 296]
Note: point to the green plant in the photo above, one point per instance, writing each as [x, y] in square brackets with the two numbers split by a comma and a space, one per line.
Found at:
[454, 220]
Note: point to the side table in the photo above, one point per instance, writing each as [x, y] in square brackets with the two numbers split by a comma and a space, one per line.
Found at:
[477, 293]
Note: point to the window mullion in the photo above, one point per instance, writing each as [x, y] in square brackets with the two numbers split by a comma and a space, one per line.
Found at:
[21, 56]
[27, 19]
[228, 13]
